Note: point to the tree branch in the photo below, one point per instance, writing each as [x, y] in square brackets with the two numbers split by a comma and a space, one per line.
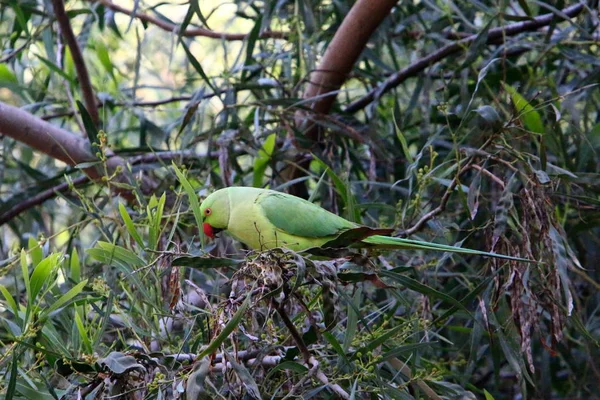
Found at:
[82, 180]
[349, 41]
[87, 92]
[166, 26]
[149, 103]
[40, 198]
[346, 46]
[440, 208]
[495, 35]
[56, 143]
[293, 331]
[45, 137]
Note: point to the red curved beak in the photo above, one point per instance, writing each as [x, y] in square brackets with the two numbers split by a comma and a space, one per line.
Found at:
[208, 230]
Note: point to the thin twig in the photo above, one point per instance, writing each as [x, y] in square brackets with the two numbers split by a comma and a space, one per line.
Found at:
[489, 174]
[439, 209]
[496, 35]
[40, 198]
[87, 93]
[164, 25]
[293, 331]
[65, 187]
[149, 103]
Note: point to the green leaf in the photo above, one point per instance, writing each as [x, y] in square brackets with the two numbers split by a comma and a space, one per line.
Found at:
[155, 213]
[10, 301]
[245, 376]
[120, 363]
[400, 135]
[192, 197]
[25, 272]
[104, 58]
[287, 366]
[262, 161]
[407, 348]
[74, 291]
[88, 123]
[487, 395]
[35, 251]
[42, 273]
[124, 259]
[195, 385]
[197, 66]
[345, 192]
[423, 289]
[7, 76]
[130, 226]
[250, 47]
[54, 68]
[12, 382]
[382, 338]
[196, 6]
[87, 164]
[21, 17]
[75, 266]
[106, 252]
[32, 393]
[352, 320]
[334, 343]
[201, 262]
[530, 117]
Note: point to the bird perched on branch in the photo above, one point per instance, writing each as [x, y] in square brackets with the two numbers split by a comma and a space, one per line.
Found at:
[265, 219]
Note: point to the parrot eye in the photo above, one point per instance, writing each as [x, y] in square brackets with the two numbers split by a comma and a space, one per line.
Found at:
[207, 212]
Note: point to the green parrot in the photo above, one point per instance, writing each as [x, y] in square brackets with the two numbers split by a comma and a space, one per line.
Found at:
[265, 219]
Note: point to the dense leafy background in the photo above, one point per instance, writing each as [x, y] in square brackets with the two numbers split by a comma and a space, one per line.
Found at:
[494, 146]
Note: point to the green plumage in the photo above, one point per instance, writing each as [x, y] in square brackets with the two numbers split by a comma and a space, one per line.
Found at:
[264, 219]
[299, 217]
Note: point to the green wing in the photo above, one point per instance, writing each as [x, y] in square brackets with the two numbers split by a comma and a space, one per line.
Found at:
[299, 217]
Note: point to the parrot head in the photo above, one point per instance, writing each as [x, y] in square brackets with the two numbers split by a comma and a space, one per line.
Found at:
[215, 213]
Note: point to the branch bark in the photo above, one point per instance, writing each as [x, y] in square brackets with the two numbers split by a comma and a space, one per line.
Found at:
[495, 35]
[166, 26]
[46, 138]
[87, 92]
[324, 83]
[341, 55]
[56, 143]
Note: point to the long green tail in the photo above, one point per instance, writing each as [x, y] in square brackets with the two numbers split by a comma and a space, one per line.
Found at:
[399, 243]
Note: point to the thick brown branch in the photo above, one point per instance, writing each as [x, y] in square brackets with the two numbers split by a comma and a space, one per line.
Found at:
[45, 137]
[87, 93]
[341, 54]
[324, 83]
[164, 25]
[495, 35]
[54, 142]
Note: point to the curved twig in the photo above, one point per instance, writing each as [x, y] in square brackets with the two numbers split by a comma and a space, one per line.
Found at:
[167, 26]
[495, 35]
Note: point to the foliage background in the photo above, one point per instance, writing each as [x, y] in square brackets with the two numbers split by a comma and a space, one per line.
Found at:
[467, 123]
